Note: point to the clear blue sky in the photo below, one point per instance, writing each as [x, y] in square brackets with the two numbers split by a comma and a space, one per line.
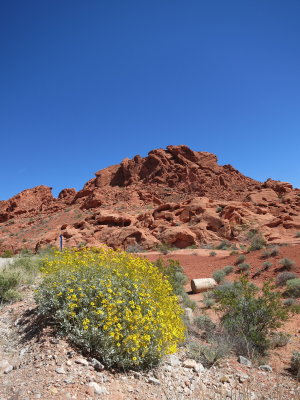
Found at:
[84, 84]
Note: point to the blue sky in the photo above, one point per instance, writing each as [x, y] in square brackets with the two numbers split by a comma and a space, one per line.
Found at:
[84, 84]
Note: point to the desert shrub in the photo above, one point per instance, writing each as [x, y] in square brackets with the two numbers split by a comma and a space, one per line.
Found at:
[279, 339]
[297, 234]
[257, 242]
[290, 302]
[116, 306]
[8, 282]
[219, 209]
[228, 269]
[295, 364]
[212, 253]
[293, 288]
[7, 254]
[164, 248]
[208, 354]
[234, 252]
[173, 271]
[284, 276]
[286, 263]
[266, 265]
[219, 276]
[274, 251]
[243, 267]
[134, 248]
[204, 323]
[250, 315]
[208, 299]
[188, 302]
[241, 258]
[224, 245]
[270, 252]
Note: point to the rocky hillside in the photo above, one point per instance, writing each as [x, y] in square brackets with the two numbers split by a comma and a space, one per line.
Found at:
[175, 196]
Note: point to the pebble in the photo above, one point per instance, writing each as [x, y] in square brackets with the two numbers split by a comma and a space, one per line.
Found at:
[244, 361]
[60, 370]
[82, 361]
[266, 368]
[154, 381]
[97, 364]
[97, 388]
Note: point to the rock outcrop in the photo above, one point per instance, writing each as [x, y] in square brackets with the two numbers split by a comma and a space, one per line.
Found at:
[175, 195]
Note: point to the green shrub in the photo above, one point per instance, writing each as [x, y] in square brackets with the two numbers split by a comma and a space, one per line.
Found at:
[295, 364]
[243, 267]
[293, 288]
[279, 339]
[212, 253]
[224, 245]
[204, 323]
[250, 316]
[257, 242]
[208, 355]
[164, 248]
[8, 282]
[208, 299]
[219, 276]
[297, 234]
[270, 252]
[266, 265]
[234, 252]
[286, 263]
[188, 302]
[241, 258]
[290, 302]
[284, 276]
[114, 305]
[7, 254]
[173, 271]
[228, 269]
[134, 248]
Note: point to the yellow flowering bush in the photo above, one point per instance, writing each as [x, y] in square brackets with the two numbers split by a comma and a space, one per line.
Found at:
[116, 306]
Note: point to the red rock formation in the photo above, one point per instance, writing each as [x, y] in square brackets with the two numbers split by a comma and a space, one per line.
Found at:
[174, 195]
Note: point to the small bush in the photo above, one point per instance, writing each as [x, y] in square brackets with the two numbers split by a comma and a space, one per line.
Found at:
[290, 302]
[174, 273]
[279, 339]
[219, 276]
[243, 267]
[116, 306]
[295, 364]
[270, 252]
[134, 248]
[286, 263]
[204, 323]
[208, 299]
[8, 282]
[297, 234]
[241, 258]
[224, 245]
[293, 288]
[266, 265]
[163, 248]
[249, 315]
[212, 253]
[228, 269]
[257, 242]
[284, 276]
[188, 302]
[7, 254]
[233, 253]
[208, 354]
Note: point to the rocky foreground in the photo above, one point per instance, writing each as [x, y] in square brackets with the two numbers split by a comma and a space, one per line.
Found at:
[174, 196]
[36, 364]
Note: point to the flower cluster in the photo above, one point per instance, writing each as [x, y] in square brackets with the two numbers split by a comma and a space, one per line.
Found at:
[115, 305]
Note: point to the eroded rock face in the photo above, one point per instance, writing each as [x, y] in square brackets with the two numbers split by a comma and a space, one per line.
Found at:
[175, 195]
